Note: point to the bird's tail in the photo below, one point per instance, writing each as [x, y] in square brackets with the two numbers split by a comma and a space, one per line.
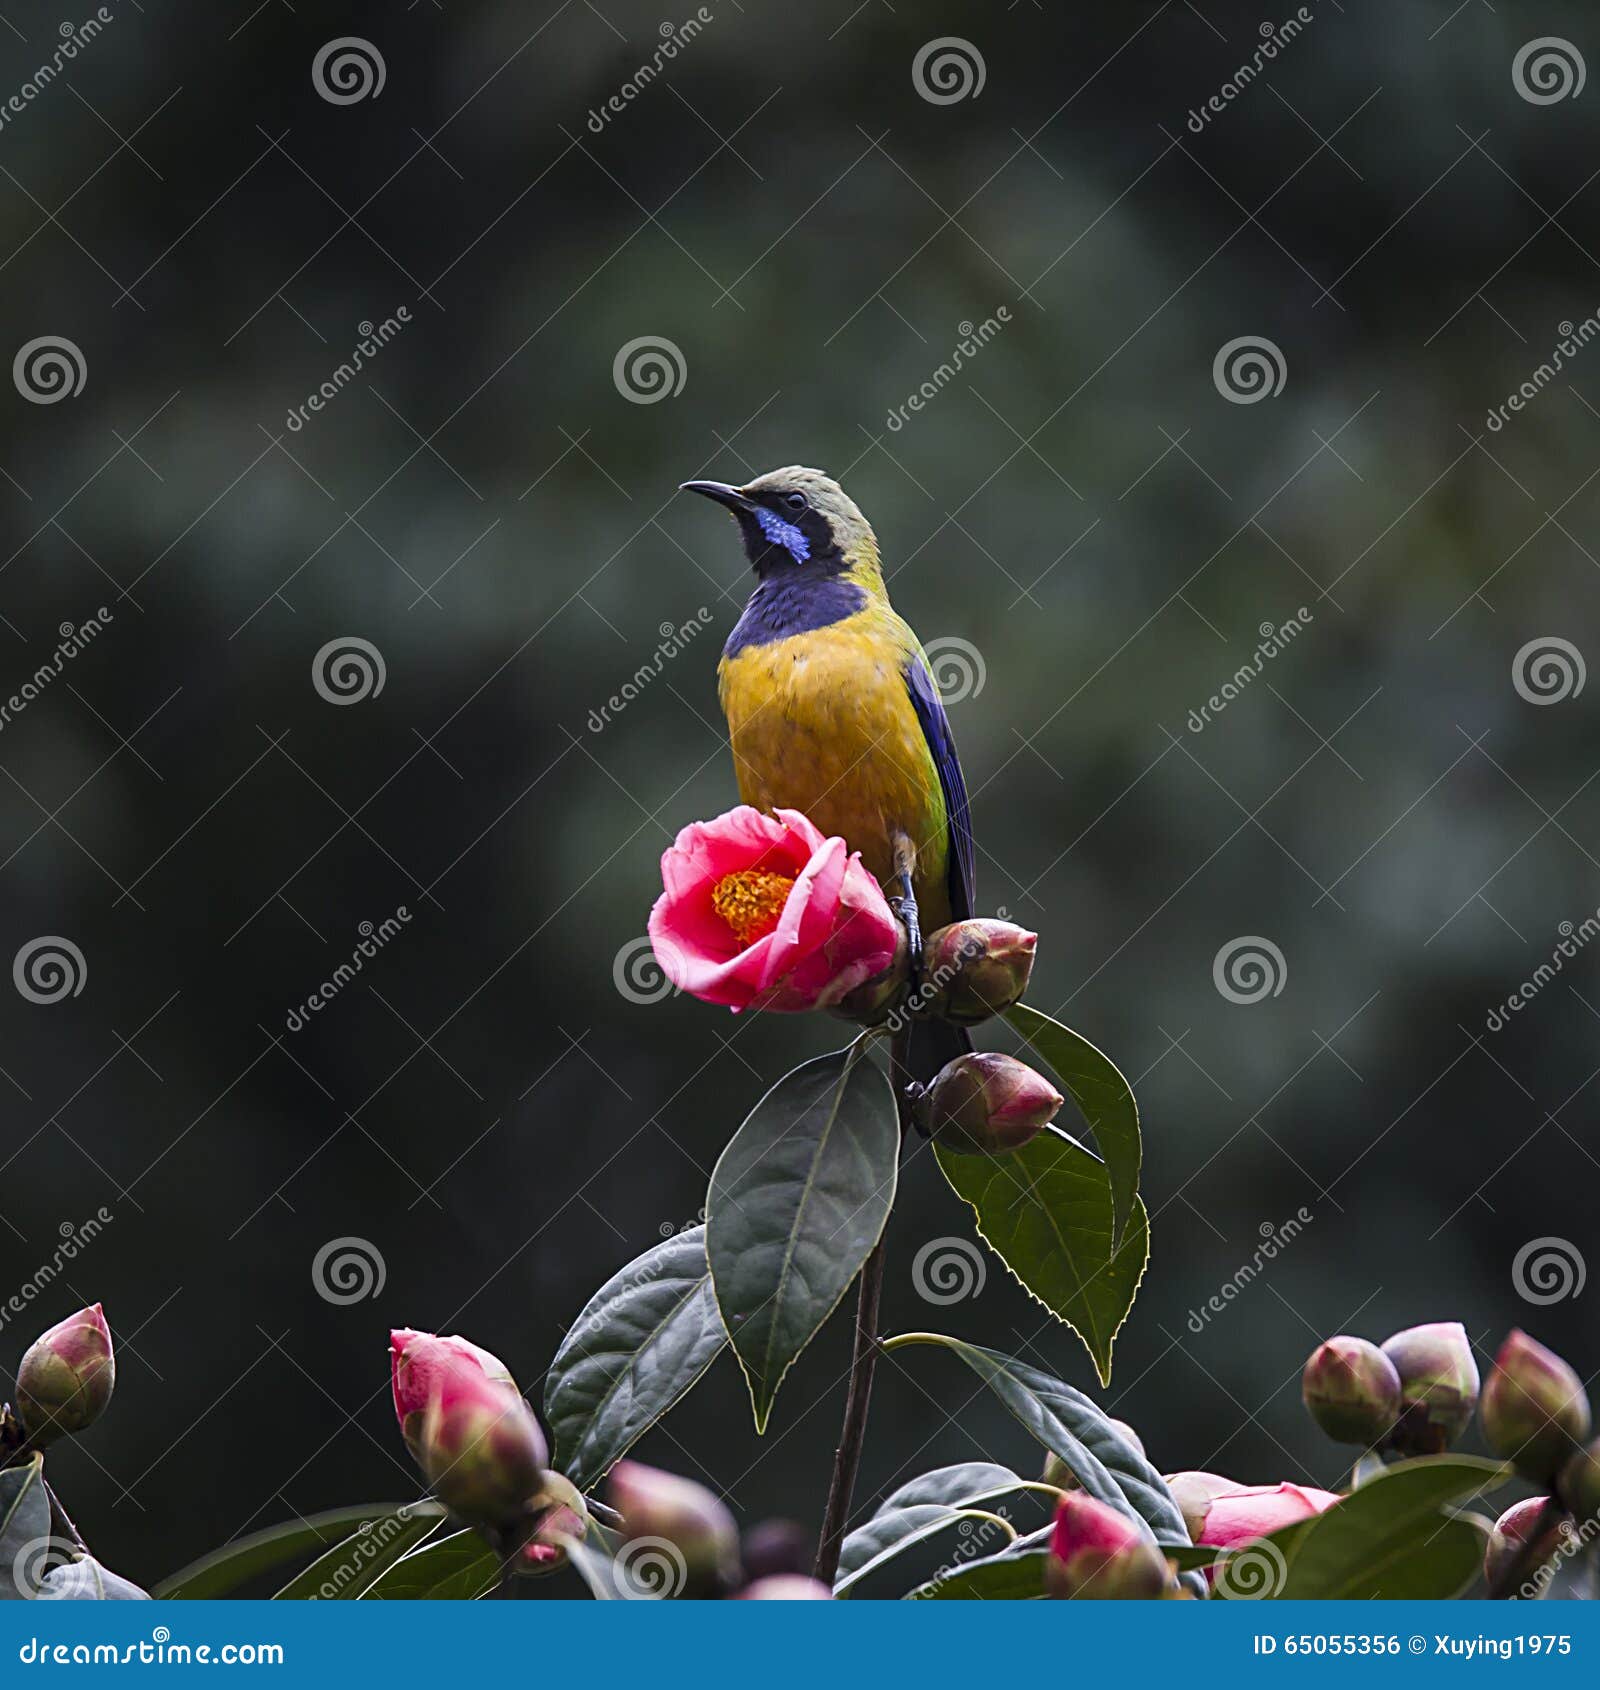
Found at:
[931, 1045]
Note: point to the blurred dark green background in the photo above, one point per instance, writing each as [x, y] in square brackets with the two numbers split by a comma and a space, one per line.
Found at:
[1081, 505]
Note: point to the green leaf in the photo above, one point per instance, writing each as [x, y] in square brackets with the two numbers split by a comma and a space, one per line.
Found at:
[1256, 1571]
[1017, 1576]
[236, 1563]
[1390, 1540]
[1071, 1425]
[85, 1580]
[642, 1341]
[951, 1486]
[1046, 1211]
[907, 1540]
[24, 1524]
[1103, 1096]
[458, 1568]
[798, 1200]
[352, 1564]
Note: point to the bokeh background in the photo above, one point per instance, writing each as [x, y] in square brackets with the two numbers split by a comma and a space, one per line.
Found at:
[495, 1106]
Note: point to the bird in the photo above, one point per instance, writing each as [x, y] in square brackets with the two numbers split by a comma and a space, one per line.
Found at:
[832, 709]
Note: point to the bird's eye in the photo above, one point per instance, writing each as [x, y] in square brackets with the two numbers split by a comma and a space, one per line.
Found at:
[795, 501]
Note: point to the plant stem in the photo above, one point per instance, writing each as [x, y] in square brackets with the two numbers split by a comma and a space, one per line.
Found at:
[863, 1360]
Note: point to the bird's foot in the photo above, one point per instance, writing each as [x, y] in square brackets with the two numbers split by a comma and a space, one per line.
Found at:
[905, 906]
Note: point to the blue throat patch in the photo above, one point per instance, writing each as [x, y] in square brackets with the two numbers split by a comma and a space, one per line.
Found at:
[785, 534]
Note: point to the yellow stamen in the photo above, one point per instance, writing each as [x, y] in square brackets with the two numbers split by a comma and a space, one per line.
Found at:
[751, 902]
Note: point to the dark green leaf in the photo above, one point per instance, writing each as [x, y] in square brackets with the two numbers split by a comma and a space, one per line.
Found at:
[1103, 1096]
[1389, 1539]
[1017, 1576]
[351, 1565]
[1072, 1426]
[914, 1545]
[458, 1568]
[641, 1342]
[85, 1580]
[24, 1528]
[1046, 1211]
[236, 1563]
[798, 1200]
[951, 1486]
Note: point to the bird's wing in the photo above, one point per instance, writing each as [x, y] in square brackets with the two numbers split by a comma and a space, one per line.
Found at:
[941, 742]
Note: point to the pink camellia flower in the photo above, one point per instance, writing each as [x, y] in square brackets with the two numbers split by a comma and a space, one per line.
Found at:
[1095, 1552]
[421, 1364]
[762, 912]
[1251, 1511]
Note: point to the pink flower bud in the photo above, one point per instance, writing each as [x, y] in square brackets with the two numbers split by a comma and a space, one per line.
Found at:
[1194, 1492]
[567, 1519]
[1511, 1531]
[66, 1377]
[786, 1587]
[678, 1512]
[1580, 1485]
[1352, 1390]
[984, 1104]
[481, 1448]
[1438, 1386]
[1099, 1553]
[1251, 1511]
[1534, 1410]
[1058, 1473]
[870, 1002]
[419, 1365]
[974, 969]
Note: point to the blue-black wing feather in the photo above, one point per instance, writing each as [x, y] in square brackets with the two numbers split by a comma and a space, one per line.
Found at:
[941, 742]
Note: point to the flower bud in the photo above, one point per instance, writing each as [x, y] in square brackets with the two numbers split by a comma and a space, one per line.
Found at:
[568, 1518]
[1099, 1553]
[1580, 1484]
[1534, 1411]
[786, 1587]
[482, 1449]
[1058, 1473]
[1243, 1513]
[984, 1104]
[1194, 1492]
[1511, 1531]
[1438, 1386]
[1352, 1391]
[974, 969]
[420, 1363]
[678, 1512]
[776, 1547]
[66, 1377]
[870, 1002]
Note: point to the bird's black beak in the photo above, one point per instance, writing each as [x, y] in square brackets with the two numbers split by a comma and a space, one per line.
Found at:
[722, 493]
